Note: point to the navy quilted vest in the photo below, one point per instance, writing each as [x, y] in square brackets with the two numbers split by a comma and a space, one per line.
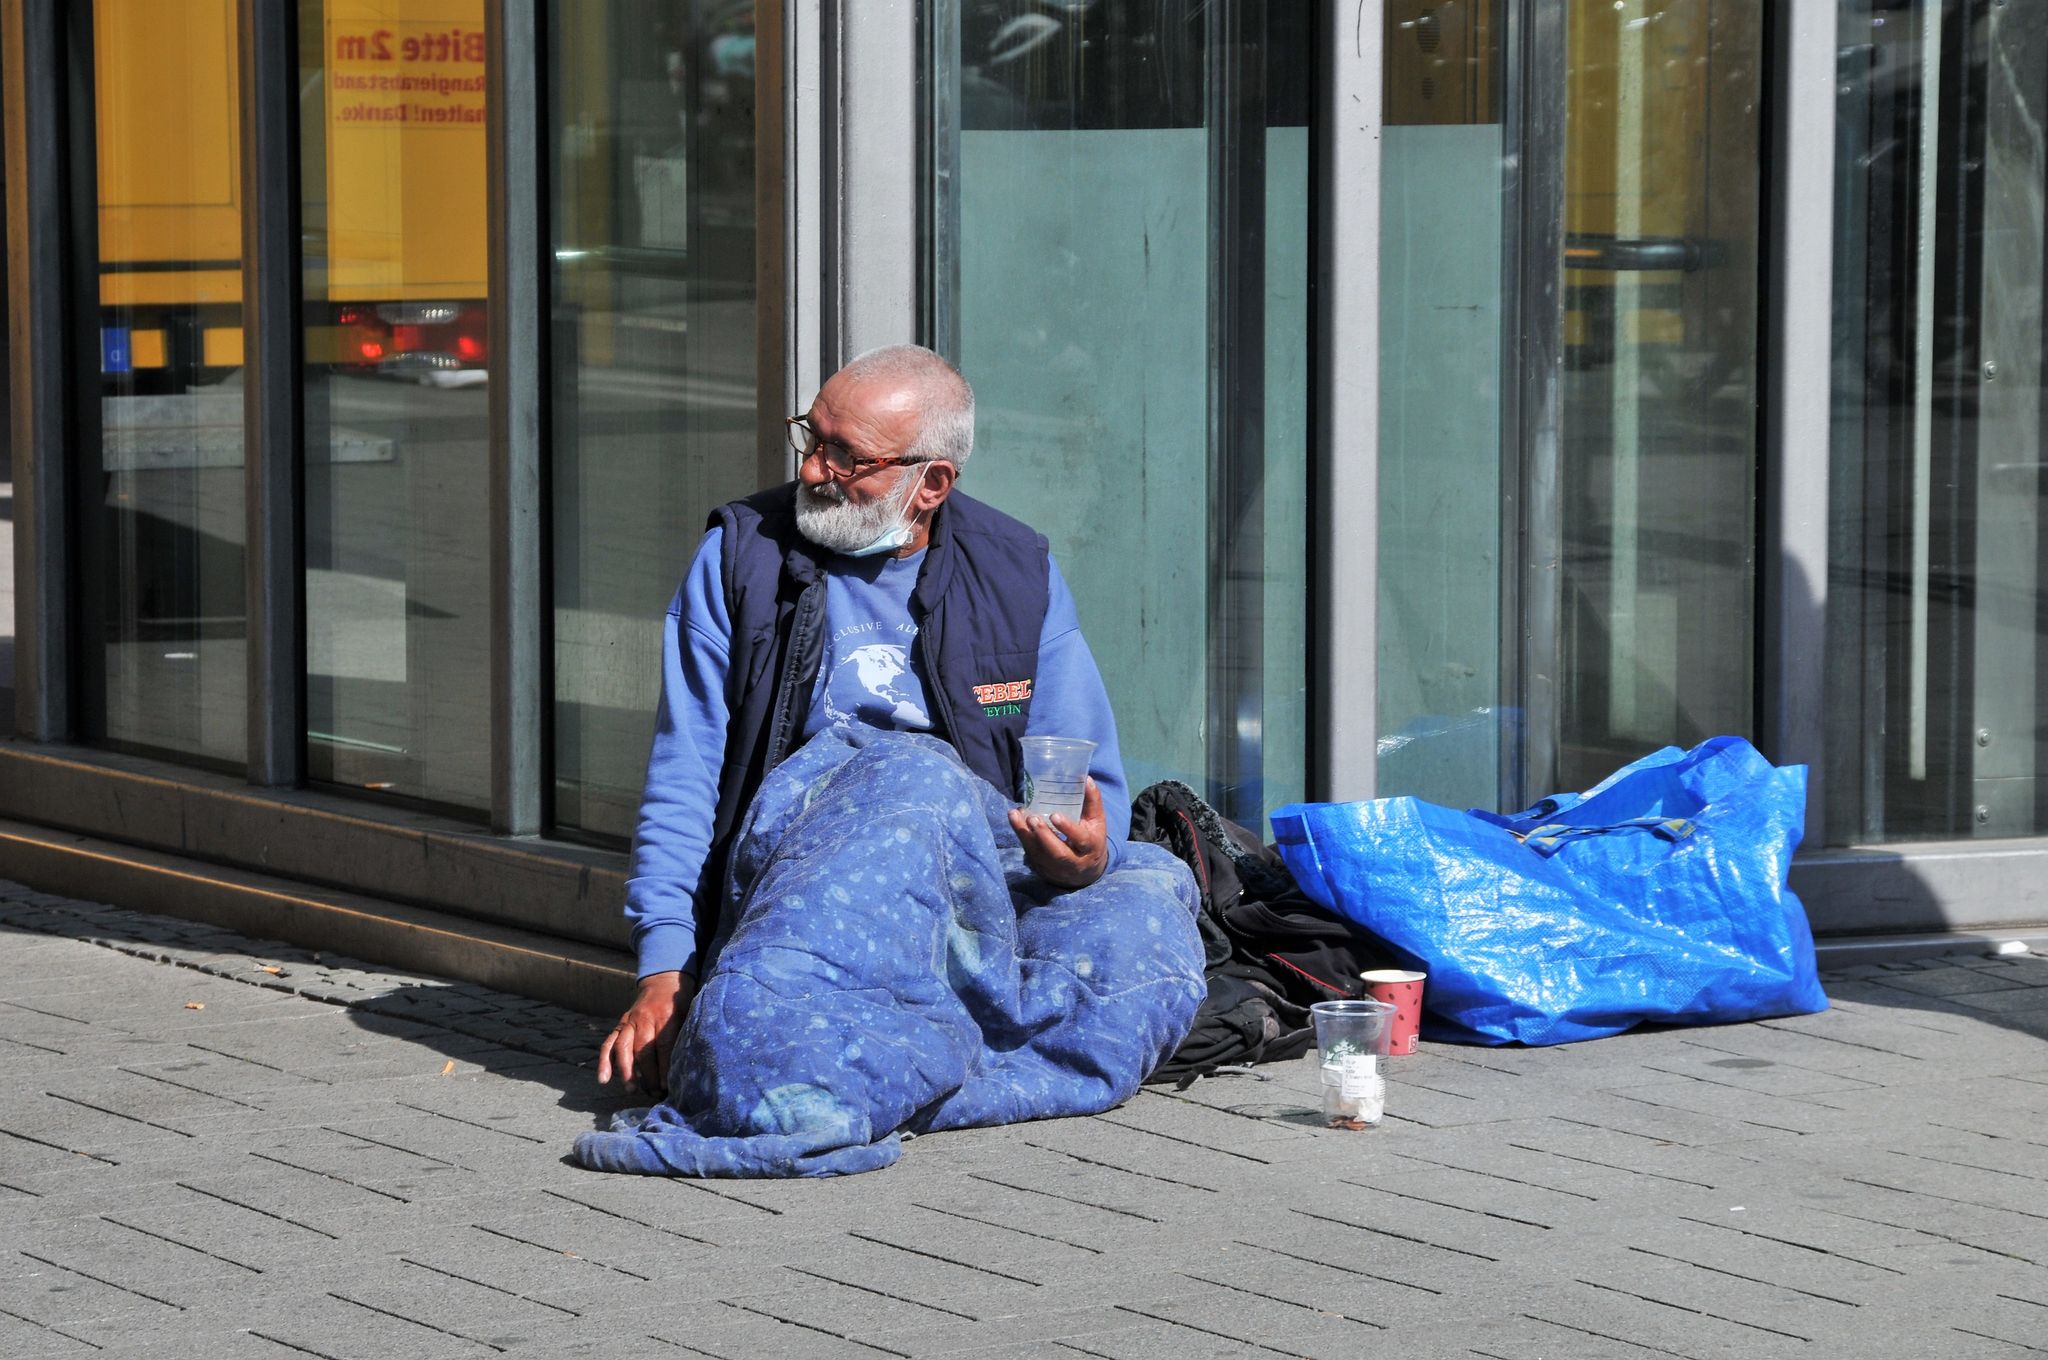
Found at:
[979, 605]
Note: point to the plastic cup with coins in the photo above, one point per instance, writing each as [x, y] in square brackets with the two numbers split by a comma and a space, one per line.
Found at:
[1352, 1038]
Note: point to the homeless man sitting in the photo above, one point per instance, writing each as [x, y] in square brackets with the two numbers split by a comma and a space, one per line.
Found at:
[846, 930]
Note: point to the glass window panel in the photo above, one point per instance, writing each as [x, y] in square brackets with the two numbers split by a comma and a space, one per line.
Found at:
[397, 429]
[654, 386]
[1936, 610]
[1658, 394]
[1568, 522]
[1442, 681]
[1127, 211]
[161, 558]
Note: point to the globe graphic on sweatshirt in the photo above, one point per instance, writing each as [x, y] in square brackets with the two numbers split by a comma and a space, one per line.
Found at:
[873, 684]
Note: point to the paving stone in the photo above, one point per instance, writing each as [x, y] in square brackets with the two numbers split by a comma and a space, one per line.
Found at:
[1094, 1324]
[65, 1288]
[2021, 1005]
[331, 1324]
[1380, 1281]
[368, 1163]
[740, 1332]
[1759, 1114]
[998, 1249]
[1155, 1338]
[1951, 982]
[123, 1254]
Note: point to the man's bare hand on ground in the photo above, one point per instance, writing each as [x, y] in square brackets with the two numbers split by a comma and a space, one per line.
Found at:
[638, 1047]
[1076, 861]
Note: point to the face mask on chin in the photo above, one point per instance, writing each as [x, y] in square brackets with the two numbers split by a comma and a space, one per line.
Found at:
[828, 519]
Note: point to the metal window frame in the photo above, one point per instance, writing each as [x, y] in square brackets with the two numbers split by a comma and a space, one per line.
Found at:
[869, 96]
[1235, 91]
[786, 281]
[1344, 414]
[1798, 393]
[42, 345]
[273, 409]
[515, 165]
[1532, 612]
[939, 175]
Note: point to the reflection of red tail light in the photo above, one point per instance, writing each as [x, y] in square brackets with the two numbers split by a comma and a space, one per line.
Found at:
[413, 337]
[362, 337]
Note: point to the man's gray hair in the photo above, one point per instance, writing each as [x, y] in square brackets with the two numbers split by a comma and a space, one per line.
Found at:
[945, 402]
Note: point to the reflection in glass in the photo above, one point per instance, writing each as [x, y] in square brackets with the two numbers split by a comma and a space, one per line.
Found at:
[397, 466]
[1552, 613]
[653, 355]
[1658, 395]
[1937, 616]
[161, 496]
[1442, 215]
[1122, 255]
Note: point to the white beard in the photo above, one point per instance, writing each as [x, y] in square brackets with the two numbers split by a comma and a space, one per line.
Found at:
[826, 517]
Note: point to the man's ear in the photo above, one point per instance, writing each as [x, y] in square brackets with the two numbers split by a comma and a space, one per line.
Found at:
[937, 485]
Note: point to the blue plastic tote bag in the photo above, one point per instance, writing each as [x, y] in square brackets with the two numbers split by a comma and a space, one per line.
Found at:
[1659, 896]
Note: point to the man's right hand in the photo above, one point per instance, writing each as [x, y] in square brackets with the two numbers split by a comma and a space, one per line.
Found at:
[638, 1047]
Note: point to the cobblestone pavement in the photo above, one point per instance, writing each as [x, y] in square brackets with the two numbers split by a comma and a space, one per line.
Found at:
[211, 1146]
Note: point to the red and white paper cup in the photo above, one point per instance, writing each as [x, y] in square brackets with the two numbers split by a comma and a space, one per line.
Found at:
[1402, 990]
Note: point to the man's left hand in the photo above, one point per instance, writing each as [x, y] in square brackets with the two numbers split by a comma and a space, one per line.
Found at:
[1076, 861]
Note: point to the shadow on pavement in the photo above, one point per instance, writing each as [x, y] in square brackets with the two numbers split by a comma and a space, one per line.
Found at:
[504, 1035]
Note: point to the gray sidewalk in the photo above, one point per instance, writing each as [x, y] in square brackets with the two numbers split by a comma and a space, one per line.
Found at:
[216, 1147]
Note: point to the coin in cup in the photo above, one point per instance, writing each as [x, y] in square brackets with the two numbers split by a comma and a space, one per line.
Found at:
[1351, 1037]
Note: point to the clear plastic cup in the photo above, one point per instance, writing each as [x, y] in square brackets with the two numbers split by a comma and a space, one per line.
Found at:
[1352, 1037]
[1055, 770]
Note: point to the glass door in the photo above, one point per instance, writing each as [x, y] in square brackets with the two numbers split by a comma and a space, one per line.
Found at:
[1938, 620]
[1119, 263]
[1570, 237]
[1653, 527]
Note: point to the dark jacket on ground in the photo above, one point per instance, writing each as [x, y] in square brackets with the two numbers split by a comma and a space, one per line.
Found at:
[1270, 951]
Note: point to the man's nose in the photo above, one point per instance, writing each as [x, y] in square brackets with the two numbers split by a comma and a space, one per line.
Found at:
[811, 468]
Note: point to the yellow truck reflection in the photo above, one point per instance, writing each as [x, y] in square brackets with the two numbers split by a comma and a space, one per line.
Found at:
[393, 191]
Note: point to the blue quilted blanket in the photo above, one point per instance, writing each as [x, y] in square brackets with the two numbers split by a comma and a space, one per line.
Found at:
[892, 967]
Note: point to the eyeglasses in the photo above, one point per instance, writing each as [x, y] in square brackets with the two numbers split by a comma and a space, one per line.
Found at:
[842, 462]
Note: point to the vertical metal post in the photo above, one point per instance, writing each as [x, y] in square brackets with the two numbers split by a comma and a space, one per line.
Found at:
[519, 271]
[1926, 265]
[273, 349]
[1532, 615]
[1345, 417]
[1799, 394]
[787, 195]
[773, 324]
[42, 346]
[1236, 115]
[940, 218]
[871, 189]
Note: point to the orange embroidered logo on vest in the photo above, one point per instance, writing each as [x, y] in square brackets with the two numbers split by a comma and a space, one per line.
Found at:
[1003, 698]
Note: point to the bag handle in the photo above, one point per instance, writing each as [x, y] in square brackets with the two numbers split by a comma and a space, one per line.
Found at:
[1528, 819]
[1548, 840]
